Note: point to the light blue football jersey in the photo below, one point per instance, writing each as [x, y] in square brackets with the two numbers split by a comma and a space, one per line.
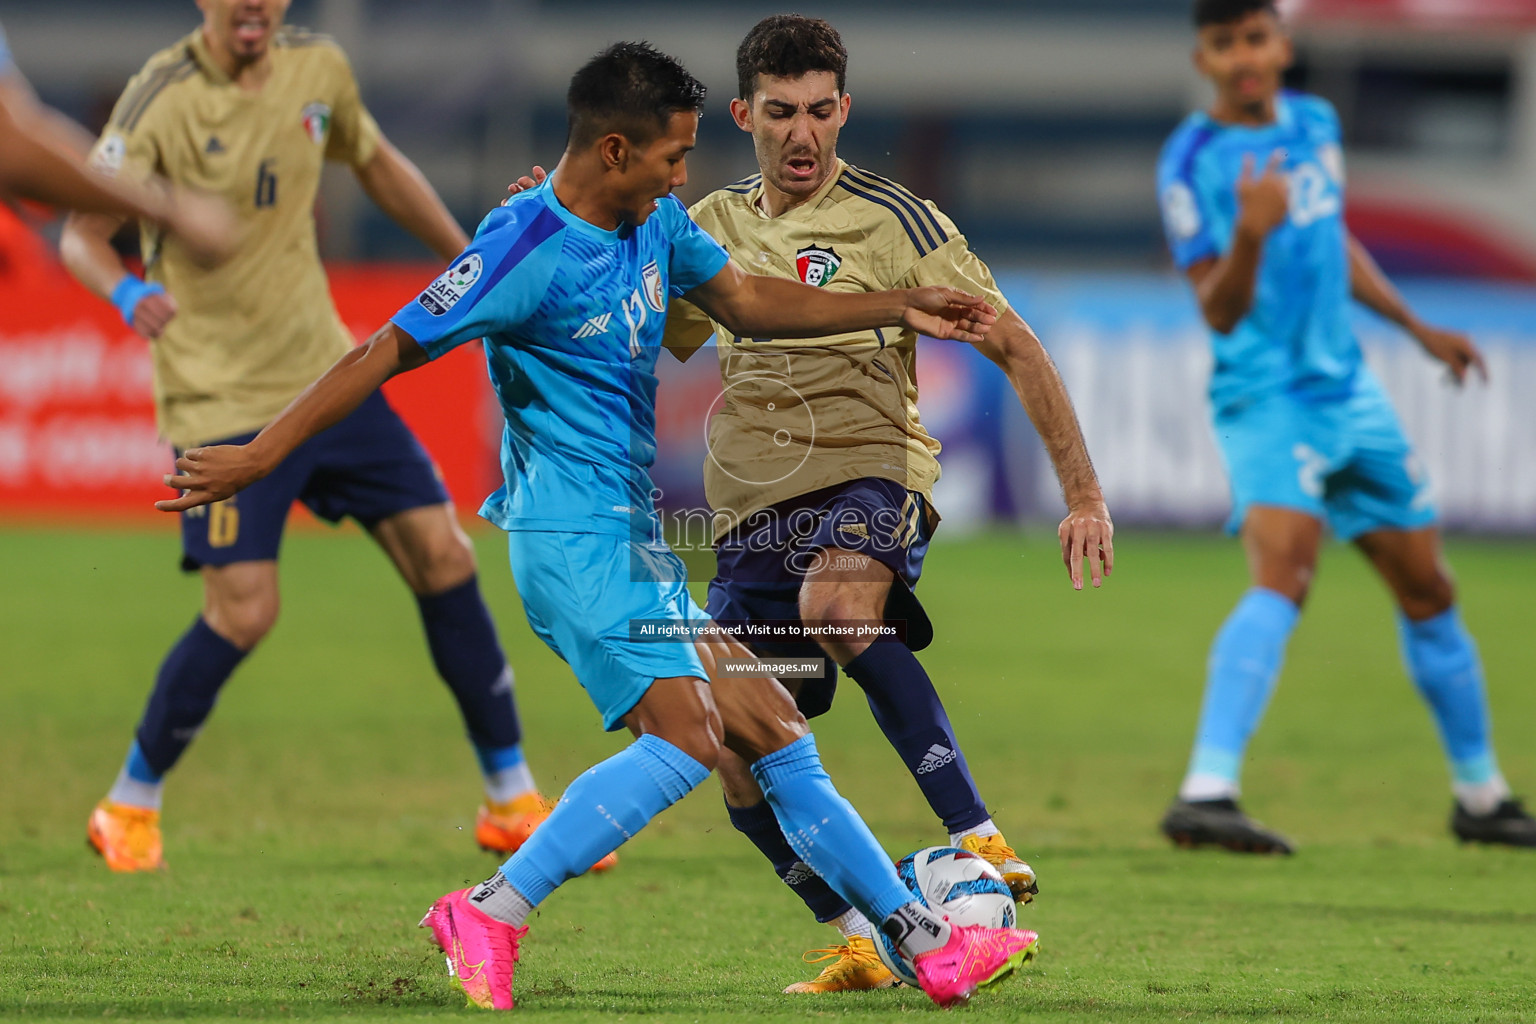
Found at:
[572, 318]
[1296, 337]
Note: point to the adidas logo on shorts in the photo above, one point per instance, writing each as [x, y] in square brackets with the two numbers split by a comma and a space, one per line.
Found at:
[937, 757]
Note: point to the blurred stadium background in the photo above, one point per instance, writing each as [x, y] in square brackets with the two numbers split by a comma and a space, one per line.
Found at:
[1034, 124]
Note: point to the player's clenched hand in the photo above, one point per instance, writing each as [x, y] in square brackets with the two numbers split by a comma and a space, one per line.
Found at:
[946, 313]
[207, 475]
[1452, 348]
[1263, 201]
[1088, 536]
[152, 313]
[526, 182]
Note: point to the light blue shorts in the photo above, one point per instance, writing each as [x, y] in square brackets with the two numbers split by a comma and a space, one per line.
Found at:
[1345, 461]
[587, 595]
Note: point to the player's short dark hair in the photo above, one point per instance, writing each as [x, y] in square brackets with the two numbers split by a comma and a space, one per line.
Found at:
[1224, 12]
[632, 89]
[788, 46]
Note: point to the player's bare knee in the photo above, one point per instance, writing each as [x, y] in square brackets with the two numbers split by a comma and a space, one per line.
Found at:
[756, 728]
[429, 548]
[1426, 596]
[823, 602]
[702, 743]
[448, 564]
[740, 788]
[243, 620]
[1289, 572]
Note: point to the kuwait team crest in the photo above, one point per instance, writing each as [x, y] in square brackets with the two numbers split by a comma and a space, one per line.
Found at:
[816, 265]
[317, 121]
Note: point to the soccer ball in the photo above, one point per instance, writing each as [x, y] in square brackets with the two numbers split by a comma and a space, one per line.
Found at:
[956, 883]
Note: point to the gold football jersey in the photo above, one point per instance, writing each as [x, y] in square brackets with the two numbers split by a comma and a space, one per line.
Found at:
[796, 416]
[253, 332]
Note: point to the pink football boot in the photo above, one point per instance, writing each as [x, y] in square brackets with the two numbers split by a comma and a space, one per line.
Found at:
[975, 958]
[482, 951]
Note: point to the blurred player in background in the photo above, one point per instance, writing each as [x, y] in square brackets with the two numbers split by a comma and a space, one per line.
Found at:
[42, 158]
[1253, 201]
[569, 285]
[250, 111]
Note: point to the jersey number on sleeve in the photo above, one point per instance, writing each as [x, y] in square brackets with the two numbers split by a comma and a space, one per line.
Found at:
[266, 184]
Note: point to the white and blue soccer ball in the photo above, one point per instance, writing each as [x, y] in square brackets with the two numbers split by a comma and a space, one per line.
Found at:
[954, 882]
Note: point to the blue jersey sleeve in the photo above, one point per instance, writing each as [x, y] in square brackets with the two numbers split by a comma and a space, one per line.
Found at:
[696, 257]
[7, 64]
[1186, 216]
[493, 286]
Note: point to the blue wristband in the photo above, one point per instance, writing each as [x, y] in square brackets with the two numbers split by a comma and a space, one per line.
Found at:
[129, 291]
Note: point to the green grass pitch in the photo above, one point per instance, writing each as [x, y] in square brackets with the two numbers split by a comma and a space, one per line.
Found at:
[331, 798]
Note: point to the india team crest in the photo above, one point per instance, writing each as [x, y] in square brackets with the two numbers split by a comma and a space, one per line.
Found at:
[655, 297]
[816, 265]
[317, 121]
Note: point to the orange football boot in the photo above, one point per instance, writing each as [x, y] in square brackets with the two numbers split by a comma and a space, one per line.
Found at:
[502, 828]
[127, 837]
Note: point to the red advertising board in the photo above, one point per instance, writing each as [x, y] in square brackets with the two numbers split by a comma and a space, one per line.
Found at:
[77, 425]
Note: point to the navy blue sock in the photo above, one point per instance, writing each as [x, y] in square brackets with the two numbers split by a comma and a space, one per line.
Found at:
[759, 824]
[908, 710]
[469, 658]
[185, 691]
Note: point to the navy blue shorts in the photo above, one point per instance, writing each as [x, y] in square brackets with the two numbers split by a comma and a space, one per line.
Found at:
[762, 563]
[369, 466]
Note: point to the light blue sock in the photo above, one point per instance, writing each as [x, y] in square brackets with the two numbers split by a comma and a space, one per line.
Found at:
[826, 832]
[1443, 662]
[606, 805]
[1244, 665]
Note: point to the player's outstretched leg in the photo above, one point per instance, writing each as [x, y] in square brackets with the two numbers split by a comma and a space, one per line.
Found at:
[851, 586]
[763, 727]
[853, 964]
[480, 928]
[241, 599]
[1443, 662]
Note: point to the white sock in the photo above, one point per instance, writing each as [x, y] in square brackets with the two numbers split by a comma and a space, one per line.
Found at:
[986, 828]
[496, 898]
[1198, 786]
[509, 783]
[853, 923]
[134, 793]
[1481, 797]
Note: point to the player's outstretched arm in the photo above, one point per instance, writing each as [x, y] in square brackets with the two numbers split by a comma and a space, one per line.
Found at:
[771, 307]
[206, 475]
[35, 163]
[1372, 289]
[1087, 533]
[1225, 286]
[399, 188]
